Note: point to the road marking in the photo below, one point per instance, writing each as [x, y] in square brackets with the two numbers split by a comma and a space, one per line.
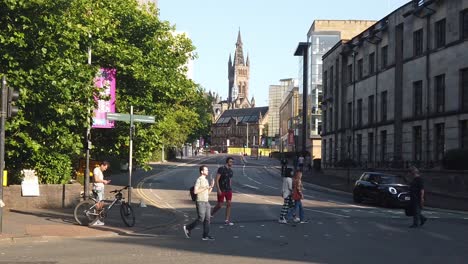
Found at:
[250, 186]
[324, 212]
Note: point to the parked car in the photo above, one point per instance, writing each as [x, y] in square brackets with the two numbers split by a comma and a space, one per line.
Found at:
[384, 189]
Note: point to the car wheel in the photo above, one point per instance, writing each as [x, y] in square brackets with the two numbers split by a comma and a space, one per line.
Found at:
[356, 198]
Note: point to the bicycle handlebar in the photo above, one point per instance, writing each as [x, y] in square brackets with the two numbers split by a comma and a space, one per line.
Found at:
[118, 191]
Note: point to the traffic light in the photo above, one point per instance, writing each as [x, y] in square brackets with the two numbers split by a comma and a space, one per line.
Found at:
[13, 96]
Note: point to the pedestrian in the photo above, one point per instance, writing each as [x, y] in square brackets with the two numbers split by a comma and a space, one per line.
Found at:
[297, 196]
[202, 189]
[98, 186]
[286, 194]
[417, 198]
[300, 162]
[224, 189]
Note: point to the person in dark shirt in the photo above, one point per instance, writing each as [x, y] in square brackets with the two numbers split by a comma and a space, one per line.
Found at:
[417, 198]
[224, 189]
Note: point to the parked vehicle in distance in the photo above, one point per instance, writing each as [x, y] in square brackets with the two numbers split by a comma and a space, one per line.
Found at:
[381, 188]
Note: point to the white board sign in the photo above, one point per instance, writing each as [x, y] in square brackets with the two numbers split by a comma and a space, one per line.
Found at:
[30, 183]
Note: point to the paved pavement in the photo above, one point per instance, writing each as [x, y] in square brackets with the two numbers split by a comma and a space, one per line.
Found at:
[45, 224]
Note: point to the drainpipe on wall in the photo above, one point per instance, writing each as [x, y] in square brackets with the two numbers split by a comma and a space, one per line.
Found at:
[354, 100]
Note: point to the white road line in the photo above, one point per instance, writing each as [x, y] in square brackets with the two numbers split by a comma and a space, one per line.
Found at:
[323, 212]
[250, 186]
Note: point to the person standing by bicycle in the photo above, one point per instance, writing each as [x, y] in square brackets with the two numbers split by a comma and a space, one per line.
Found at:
[202, 190]
[98, 185]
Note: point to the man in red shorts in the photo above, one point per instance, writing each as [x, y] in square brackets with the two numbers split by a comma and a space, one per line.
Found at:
[223, 186]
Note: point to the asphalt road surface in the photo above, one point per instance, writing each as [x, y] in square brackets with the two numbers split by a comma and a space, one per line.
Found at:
[338, 231]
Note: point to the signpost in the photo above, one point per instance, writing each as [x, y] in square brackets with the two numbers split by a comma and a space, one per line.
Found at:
[130, 118]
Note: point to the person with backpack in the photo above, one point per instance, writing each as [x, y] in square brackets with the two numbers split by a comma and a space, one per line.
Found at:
[202, 189]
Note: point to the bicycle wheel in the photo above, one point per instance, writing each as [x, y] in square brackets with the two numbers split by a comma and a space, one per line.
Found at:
[85, 212]
[127, 214]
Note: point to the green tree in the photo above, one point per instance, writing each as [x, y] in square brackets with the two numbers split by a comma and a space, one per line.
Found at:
[44, 46]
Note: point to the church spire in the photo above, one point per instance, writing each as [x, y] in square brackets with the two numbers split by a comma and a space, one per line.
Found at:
[247, 63]
[239, 55]
[239, 39]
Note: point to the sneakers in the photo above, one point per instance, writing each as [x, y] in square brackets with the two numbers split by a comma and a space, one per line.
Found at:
[186, 231]
[297, 220]
[282, 221]
[423, 221]
[97, 223]
[228, 223]
[208, 238]
[304, 222]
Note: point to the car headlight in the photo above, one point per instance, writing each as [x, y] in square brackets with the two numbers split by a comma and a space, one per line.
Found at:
[392, 190]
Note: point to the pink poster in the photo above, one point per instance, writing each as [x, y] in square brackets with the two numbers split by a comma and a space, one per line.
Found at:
[105, 80]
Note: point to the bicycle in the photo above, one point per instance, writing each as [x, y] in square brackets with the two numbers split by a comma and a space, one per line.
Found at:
[86, 212]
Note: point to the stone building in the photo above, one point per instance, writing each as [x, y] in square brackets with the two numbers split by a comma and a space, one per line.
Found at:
[321, 37]
[239, 128]
[397, 93]
[289, 116]
[238, 85]
[276, 94]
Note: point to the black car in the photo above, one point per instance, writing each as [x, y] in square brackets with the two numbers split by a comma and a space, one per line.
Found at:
[384, 189]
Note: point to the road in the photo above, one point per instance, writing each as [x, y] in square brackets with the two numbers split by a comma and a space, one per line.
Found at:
[338, 232]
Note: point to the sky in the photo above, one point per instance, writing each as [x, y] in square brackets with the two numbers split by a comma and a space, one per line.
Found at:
[270, 31]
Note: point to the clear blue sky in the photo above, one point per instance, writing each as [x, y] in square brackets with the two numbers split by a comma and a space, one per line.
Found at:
[270, 29]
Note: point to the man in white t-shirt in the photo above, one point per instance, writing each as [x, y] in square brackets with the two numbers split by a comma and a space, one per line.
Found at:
[98, 185]
[202, 190]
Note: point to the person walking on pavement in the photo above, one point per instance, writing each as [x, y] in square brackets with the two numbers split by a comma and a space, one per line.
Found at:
[297, 196]
[300, 162]
[98, 186]
[417, 198]
[286, 193]
[202, 190]
[224, 189]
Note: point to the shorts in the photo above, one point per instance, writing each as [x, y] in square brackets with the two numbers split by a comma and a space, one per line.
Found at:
[224, 195]
[100, 194]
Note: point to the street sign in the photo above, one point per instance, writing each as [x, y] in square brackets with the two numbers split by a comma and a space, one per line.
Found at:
[126, 118]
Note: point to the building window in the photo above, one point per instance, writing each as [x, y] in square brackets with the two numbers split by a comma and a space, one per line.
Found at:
[384, 54]
[439, 147]
[350, 74]
[330, 152]
[383, 145]
[331, 86]
[464, 89]
[331, 119]
[417, 143]
[350, 114]
[440, 93]
[360, 69]
[325, 82]
[418, 42]
[417, 98]
[358, 147]
[370, 108]
[464, 23]
[383, 106]
[324, 149]
[324, 116]
[464, 134]
[440, 33]
[370, 147]
[371, 63]
[359, 112]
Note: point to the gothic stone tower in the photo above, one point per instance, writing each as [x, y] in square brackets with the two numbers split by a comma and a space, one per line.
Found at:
[239, 72]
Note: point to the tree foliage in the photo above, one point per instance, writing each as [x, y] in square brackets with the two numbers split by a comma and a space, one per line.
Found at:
[44, 52]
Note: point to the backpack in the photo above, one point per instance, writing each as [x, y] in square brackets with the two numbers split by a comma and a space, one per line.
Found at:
[193, 195]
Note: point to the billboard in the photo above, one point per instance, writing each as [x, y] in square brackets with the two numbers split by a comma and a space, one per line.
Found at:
[105, 101]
